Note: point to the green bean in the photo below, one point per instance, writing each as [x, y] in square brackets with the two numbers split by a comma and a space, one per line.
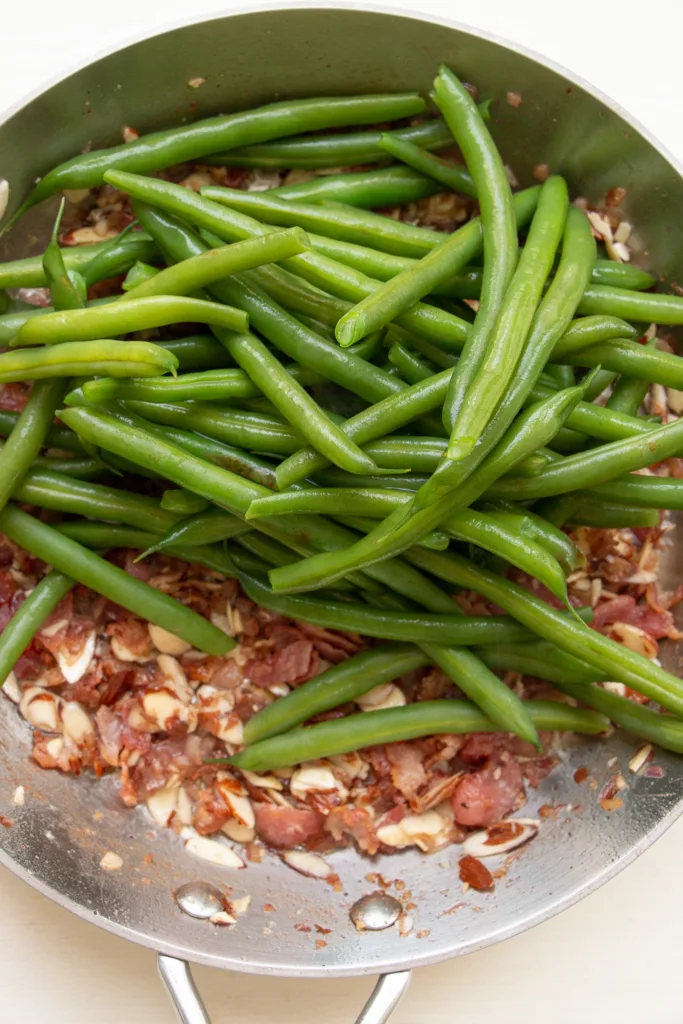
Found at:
[664, 730]
[205, 385]
[65, 494]
[338, 685]
[593, 467]
[107, 358]
[558, 543]
[401, 529]
[347, 223]
[205, 527]
[139, 274]
[157, 150]
[418, 454]
[18, 633]
[378, 420]
[338, 150]
[609, 515]
[401, 482]
[631, 305]
[56, 437]
[125, 317]
[426, 718]
[503, 341]
[498, 226]
[182, 502]
[540, 659]
[87, 568]
[380, 186]
[601, 381]
[214, 264]
[451, 175]
[385, 624]
[83, 469]
[300, 410]
[233, 426]
[196, 352]
[67, 288]
[629, 393]
[411, 367]
[571, 635]
[119, 254]
[29, 272]
[647, 491]
[552, 320]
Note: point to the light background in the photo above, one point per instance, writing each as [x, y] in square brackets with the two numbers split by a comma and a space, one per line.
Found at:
[615, 958]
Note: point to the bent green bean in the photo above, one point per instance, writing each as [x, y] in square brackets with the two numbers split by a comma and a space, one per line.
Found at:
[29, 617]
[380, 186]
[71, 359]
[451, 175]
[157, 150]
[125, 317]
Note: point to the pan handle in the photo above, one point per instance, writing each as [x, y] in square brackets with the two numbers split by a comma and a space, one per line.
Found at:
[177, 978]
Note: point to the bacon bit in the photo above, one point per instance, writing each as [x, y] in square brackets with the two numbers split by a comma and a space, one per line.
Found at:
[423, 934]
[306, 928]
[513, 99]
[475, 874]
[7, 822]
[612, 805]
[336, 883]
[148, 859]
[323, 931]
[549, 810]
[654, 771]
[615, 196]
[580, 775]
[320, 943]
[541, 172]
[268, 908]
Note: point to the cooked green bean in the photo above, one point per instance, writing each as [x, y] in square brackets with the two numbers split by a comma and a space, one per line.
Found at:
[106, 358]
[214, 264]
[338, 685]
[182, 502]
[558, 543]
[338, 150]
[571, 635]
[119, 254]
[647, 491]
[451, 175]
[610, 515]
[205, 527]
[18, 633]
[540, 659]
[504, 340]
[154, 151]
[632, 360]
[125, 317]
[595, 466]
[29, 272]
[207, 385]
[628, 394]
[634, 306]
[57, 437]
[426, 718]
[196, 352]
[380, 186]
[87, 568]
[498, 226]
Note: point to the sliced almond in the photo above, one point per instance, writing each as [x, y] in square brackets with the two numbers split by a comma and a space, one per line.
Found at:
[11, 688]
[41, 708]
[167, 643]
[413, 830]
[239, 833]
[214, 852]
[240, 905]
[111, 861]
[222, 917]
[640, 757]
[310, 864]
[173, 671]
[183, 808]
[386, 695]
[261, 781]
[162, 707]
[311, 779]
[502, 837]
[237, 800]
[74, 665]
[77, 723]
[162, 803]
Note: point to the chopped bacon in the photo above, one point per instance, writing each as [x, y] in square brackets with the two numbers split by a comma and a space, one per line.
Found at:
[286, 827]
[407, 770]
[293, 664]
[13, 397]
[211, 811]
[110, 730]
[332, 645]
[357, 824]
[487, 795]
[475, 874]
[657, 623]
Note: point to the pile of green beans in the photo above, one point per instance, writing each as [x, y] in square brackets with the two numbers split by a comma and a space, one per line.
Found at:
[346, 421]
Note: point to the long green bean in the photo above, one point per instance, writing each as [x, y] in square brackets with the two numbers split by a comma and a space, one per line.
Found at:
[380, 186]
[427, 718]
[451, 175]
[29, 617]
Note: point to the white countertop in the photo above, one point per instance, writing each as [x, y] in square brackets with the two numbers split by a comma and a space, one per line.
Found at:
[616, 956]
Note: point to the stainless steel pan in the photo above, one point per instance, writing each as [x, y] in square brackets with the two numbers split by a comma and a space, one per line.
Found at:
[59, 835]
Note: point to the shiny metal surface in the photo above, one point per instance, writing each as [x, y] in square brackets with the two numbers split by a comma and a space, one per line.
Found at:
[65, 826]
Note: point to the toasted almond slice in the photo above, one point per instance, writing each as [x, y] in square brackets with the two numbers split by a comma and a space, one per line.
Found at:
[41, 708]
[78, 724]
[111, 861]
[167, 643]
[501, 837]
[162, 803]
[74, 666]
[11, 688]
[214, 852]
[310, 864]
